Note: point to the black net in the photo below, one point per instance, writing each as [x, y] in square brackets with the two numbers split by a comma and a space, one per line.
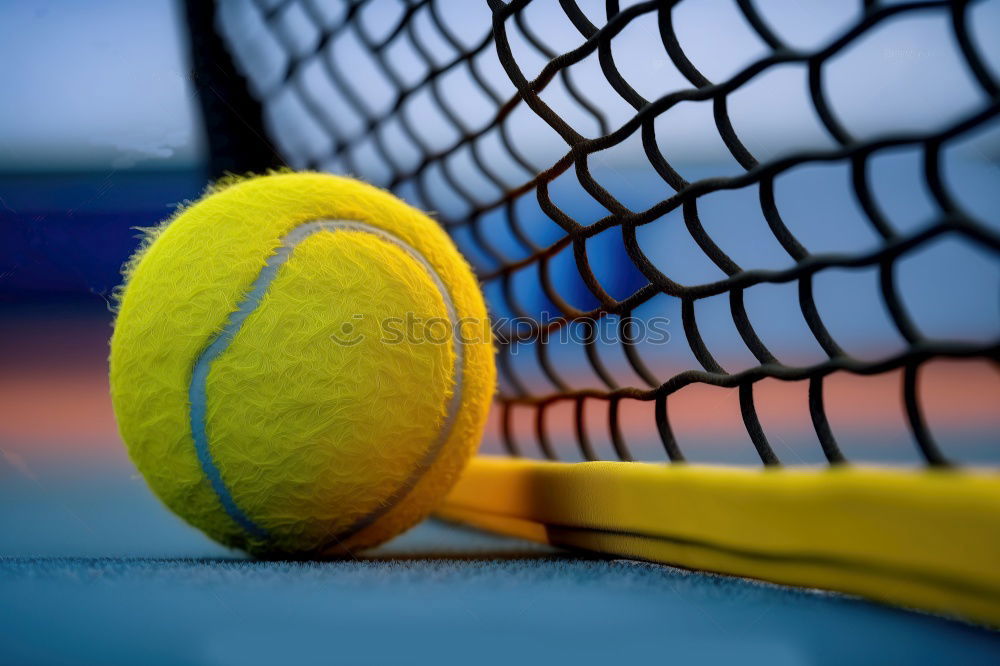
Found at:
[630, 195]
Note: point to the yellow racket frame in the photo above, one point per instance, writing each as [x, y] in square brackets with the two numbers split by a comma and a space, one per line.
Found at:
[926, 539]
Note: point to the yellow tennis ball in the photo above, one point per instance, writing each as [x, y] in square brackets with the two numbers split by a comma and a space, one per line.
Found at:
[285, 368]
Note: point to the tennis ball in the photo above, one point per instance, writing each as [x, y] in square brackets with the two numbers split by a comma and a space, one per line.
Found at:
[284, 366]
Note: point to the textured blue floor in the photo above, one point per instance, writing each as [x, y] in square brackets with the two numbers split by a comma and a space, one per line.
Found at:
[94, 570]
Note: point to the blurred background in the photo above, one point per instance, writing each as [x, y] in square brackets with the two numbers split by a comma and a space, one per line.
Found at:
[100, 134]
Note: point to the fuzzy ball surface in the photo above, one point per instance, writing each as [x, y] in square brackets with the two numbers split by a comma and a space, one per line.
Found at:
[301, 364]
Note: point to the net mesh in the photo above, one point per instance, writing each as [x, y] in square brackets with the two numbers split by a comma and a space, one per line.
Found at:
[552, 154]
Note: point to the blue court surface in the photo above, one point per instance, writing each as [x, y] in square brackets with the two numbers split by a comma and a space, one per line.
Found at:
[95, 570]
